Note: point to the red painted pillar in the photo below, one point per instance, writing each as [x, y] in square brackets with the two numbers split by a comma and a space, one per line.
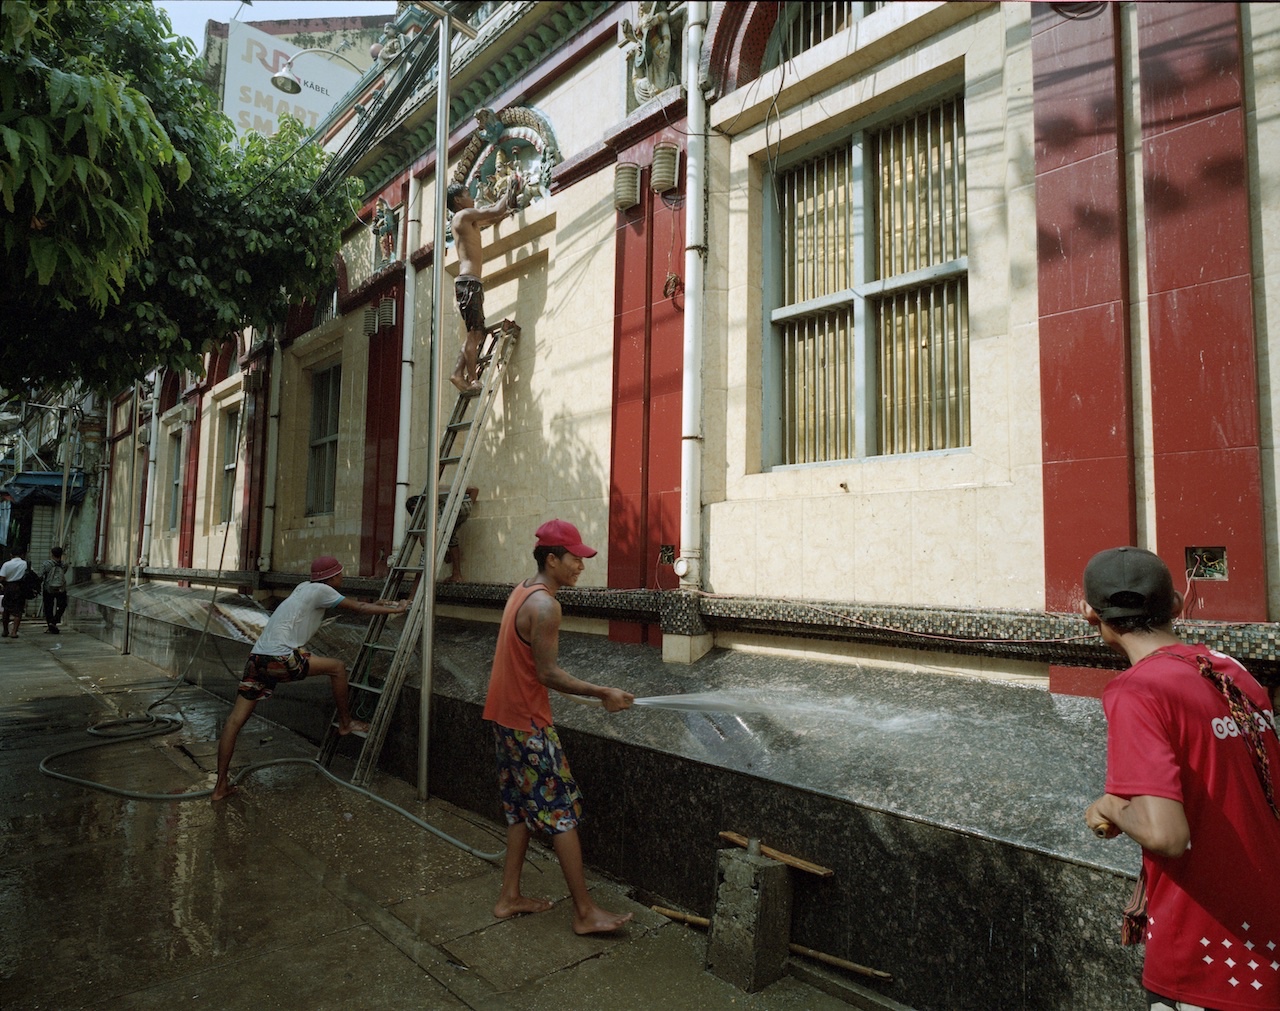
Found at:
[1082, 268]
[382, 423]
[1204, 399]
[644, 493]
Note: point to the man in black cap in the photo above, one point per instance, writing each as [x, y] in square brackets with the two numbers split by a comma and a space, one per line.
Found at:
[278, 657]
[1191, 756]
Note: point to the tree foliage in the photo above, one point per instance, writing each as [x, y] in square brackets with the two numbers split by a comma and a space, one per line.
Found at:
[139, 232]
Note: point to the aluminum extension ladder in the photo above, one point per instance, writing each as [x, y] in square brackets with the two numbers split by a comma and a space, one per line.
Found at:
[382, 664]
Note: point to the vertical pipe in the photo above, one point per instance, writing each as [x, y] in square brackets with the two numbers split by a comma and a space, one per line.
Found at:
[412, 240]
[60, 535]
[128, 528]
[104, 483]
[694, 265]
[427, 587]
[272, 469]
[149, 506]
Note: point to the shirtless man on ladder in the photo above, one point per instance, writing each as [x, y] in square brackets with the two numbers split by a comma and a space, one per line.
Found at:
[467, 221]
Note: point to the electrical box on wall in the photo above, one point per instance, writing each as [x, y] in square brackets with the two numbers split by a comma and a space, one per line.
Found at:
[1206, 563]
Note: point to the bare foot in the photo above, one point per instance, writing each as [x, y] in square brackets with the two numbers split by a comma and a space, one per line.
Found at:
[507, 908]
[221, 791]
[464, 384]
[599, 921]
[353, 727]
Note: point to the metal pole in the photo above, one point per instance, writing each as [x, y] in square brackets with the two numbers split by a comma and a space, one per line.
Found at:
[66, 476]
[427, 586]
[128, 542]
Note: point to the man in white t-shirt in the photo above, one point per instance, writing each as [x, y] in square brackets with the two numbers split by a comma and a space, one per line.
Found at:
[278, 656]
[15, 596]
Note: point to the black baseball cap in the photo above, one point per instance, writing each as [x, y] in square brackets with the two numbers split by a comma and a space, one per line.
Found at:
[1129, 583]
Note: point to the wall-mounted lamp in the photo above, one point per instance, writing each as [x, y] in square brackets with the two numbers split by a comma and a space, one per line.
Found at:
[626, 185]
[287, 81]
[665, 171]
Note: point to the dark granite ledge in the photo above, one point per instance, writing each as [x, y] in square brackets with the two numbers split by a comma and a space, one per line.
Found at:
[950, 807]
[1029, 636]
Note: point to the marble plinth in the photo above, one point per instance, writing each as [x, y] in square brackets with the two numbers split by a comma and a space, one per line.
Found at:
[950, 808]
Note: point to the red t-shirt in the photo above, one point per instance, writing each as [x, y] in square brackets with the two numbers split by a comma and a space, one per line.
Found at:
[517, 699]
[1213, 930]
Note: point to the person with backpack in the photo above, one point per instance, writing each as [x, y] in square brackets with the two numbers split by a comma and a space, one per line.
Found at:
[53, 584]
[12, 576]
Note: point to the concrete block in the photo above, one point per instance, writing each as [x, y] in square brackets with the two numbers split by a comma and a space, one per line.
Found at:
[752, 924]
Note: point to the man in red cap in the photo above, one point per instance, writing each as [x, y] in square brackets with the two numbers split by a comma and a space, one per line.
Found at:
[538, 791]
[1192, 758]
[278, 656]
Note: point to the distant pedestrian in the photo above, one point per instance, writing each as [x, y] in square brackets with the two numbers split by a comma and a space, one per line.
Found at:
[278, 657]
[537, 789]
[53, 585]
[1192, 759]
[12, 576]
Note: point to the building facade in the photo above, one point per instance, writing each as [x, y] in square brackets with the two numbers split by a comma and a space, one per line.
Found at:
[969, 292]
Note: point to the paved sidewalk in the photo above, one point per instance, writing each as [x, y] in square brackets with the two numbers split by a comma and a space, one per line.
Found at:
[295, 893]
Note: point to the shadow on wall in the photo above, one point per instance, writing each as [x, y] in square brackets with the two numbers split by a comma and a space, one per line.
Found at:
[534, 466]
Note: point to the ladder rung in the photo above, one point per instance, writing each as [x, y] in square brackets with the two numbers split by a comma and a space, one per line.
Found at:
[381, 647]
[458, 426]
[446, 460]
[375, 689]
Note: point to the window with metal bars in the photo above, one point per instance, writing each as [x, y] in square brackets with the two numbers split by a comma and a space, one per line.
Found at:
[802, 26]
[230, 453]
[871, 331]
[175, 479]
[322, 455]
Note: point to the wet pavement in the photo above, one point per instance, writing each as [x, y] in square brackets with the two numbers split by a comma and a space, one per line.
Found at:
[295, 893]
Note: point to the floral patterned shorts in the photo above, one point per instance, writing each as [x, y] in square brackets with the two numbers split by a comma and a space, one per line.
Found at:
[262, 673]
[535, 782]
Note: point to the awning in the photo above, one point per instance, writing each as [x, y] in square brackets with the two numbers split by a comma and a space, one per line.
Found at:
[43, 488]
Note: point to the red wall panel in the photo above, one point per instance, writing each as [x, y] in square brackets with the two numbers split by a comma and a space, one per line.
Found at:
[1082, 272]
[1203, 380]
[644, 498]
[382, 422]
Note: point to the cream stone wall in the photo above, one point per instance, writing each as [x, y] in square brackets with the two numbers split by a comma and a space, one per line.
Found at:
[1261, 30]
[164, 542]
[217, 544]
[960, 527]
[545, 447]
[545, 450]
[298, 537]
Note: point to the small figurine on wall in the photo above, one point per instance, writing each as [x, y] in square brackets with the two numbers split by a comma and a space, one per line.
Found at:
[650, 39]
[384, 232]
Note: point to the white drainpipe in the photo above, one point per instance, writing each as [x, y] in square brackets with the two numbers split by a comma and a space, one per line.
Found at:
[689, 564]
[413, 238]
[273, 461]
[149, 507]
[104, 480]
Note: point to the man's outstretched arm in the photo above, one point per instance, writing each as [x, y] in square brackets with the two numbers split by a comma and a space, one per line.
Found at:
[1157, 824]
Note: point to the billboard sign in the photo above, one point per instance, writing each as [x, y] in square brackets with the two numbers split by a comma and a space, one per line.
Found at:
[254, 104]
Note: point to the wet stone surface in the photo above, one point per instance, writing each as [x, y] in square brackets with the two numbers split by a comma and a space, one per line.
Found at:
[292, 894]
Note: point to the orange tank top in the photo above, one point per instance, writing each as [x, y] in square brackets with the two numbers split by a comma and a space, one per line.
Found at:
[517, 699]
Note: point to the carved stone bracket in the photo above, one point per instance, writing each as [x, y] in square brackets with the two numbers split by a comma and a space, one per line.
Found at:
[516, 141]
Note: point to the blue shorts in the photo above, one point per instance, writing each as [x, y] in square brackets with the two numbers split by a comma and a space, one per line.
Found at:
[535, 782]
